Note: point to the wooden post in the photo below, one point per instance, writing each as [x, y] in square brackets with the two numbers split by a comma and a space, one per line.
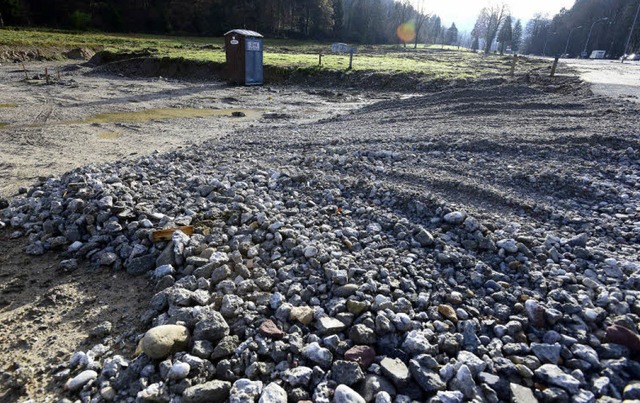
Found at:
[554, 67]
[58, 74]
[513, 65]
[26, 76]
[320, 59]
[351, 59]
[46, 74]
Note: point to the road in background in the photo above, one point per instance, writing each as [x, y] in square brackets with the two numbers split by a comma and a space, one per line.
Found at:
[609, 77]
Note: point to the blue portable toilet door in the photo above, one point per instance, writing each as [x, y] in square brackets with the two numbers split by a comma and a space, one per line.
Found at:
[253, 61]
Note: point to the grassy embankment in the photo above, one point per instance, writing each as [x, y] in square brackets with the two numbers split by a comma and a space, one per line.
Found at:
[433, 62]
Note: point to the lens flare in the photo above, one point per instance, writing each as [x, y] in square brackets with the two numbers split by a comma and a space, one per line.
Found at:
[406, 32]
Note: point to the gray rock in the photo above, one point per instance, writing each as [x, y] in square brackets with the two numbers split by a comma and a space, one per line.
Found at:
[553, 375]
[463, 382]
[475, 364]
[632, 391]
[522, 394]
[416, 342]
[102, 330]
[424, 237]
[320, 355]
[273, 393]
[179, 370]
[426, 378]
[396, 371]
[361, 334]
[346, 372]
[245, 390]
[345, 394]
[584, 396]
[373, 384]
[547, 353]
[383, 397]
[225, 347]
[327, 325]
[450, 396]
[586, 353]
[141, 265]
[455, 217]
[212, 391]
[298, 376]
[76, 383]
[509, 245]
[212, 329]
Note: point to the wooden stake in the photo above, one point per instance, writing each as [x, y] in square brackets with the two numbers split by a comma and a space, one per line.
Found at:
[513, 65]
[320, 59]
[167, 234]
[58, 74]
[351, 59]
[26, 76]
[46, 74]
[554, 67]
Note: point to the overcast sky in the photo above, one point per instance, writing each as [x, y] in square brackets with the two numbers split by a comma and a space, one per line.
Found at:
[465, 12]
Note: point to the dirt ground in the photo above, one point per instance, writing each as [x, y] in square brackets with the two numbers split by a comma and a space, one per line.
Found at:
[82, 118]
[47, 314]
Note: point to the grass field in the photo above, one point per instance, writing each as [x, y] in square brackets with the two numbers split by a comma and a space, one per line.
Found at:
[435, 61]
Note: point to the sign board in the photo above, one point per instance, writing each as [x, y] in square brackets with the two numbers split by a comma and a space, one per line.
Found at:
[253, 45]
[234, 41]
[342, 48]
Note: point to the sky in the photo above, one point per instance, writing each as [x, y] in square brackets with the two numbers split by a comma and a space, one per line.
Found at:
[465, 12]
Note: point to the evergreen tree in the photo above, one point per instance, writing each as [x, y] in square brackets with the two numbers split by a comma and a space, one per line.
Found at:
[452, 35]
[516, 37]
[505, 36]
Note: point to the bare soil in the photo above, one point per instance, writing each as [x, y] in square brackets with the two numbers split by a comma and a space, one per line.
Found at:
[47, 314]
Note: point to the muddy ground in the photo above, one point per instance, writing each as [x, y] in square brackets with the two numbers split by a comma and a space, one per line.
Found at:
[84, 117]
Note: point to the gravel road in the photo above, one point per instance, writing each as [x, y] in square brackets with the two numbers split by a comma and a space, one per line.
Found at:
[610, 77]
[474, 244]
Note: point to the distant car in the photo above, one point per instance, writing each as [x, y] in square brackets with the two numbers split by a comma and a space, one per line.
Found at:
[632, 57]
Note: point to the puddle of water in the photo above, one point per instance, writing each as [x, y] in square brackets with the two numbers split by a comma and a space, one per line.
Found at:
[109, 136]
[169, 113]
[8, 105]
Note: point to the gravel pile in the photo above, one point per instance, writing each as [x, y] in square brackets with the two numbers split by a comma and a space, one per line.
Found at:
[483, 247]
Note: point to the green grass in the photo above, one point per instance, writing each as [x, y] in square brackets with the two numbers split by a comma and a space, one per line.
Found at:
[433, 61]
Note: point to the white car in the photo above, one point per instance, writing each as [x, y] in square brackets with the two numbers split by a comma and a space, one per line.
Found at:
[632, 57]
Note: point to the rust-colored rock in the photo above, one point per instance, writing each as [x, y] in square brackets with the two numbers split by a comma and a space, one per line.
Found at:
[363, 355]
[270, 329]
[621, 335]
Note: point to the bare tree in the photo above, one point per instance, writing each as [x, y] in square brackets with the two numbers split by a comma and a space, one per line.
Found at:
[489, 22]
[496, 14]
[420, 18]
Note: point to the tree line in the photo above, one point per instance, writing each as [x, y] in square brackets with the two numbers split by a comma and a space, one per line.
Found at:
[588, 25]
[361, 21]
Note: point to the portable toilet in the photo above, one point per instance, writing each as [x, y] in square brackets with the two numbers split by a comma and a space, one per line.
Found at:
[244, 57]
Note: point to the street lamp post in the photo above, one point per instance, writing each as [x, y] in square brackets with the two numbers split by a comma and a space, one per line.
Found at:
[566, 47]
[586, 44]
[633, 27]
